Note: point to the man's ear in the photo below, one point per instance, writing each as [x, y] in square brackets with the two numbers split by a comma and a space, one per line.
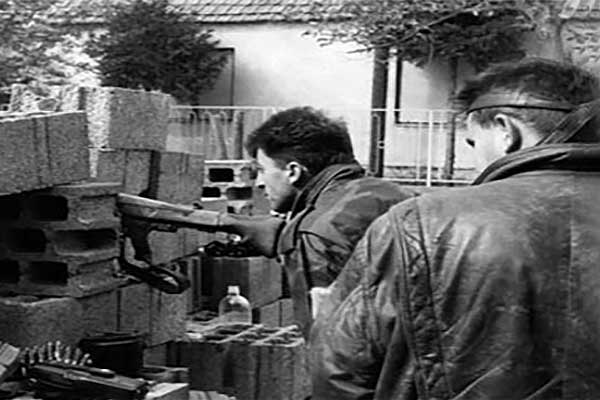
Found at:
[296, 172]
[511, 133]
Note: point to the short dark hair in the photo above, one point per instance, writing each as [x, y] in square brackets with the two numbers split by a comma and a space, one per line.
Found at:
[304, 135]
[538, 78]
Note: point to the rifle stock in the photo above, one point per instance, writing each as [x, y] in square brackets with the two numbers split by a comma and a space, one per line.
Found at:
[260, 231]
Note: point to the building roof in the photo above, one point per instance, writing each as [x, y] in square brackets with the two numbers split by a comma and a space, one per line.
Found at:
[581, 10]
[211, 11]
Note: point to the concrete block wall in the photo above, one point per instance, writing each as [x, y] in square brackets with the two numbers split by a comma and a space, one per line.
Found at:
[234, 180]
[251, 362]
[61, 241]
[42, 151]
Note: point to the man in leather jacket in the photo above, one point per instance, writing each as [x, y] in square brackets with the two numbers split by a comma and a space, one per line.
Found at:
[490, 291]
[306, 164]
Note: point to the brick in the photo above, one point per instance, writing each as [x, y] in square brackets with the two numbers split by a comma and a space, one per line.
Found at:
[100, 312]
[230, 171]
[131, 168]
[30, 321]
[134, 308]
[121, 118]
[167, 316]
[69, 207]
[259, 278]
[56, 278]
[176, 177]
[42, 151]
[268, 315]
[168, 391]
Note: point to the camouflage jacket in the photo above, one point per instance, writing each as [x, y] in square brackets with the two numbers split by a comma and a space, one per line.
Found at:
[328, 218]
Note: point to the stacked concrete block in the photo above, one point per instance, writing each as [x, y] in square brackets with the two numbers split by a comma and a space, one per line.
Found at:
[61, 241]
[277, 313]
[120, 118]
[177, 177]
[250, 362]
[130, 167]
[42, 151]
[159, 316]
[234, 180]
[29, 320]
[259, 278]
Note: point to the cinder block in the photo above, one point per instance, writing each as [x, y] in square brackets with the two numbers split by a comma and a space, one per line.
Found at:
[166, 246]
[70, 207]
[283, 367]
[251, 363]
[229, 191]
[176, 177]
[121, 118]
[267, 315]
[259, 278]
[167, 317]
[242, 207]
[131, 168]
[134, 308]
[79, 246]
[209, 357]
[168, 391]
[230, 171]
[218, 204]
[42, 151]
[156, 355]
[57, 278]
[100, 312]
[286, 312]
[29, 321]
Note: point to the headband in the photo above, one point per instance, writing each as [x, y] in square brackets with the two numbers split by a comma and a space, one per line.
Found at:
[516, 100]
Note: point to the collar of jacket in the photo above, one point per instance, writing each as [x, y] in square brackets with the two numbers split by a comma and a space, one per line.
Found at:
[313, 188]
[561, 156]
[305, 201]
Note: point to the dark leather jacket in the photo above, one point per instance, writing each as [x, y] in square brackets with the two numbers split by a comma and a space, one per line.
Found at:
[485, 292]
[328, 218]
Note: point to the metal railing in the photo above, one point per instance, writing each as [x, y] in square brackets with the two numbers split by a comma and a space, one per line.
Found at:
[414, 148]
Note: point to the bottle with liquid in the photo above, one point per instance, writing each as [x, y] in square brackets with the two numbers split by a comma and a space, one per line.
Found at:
[234, 308]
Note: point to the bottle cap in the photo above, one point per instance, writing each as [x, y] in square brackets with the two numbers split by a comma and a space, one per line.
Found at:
[233, 290]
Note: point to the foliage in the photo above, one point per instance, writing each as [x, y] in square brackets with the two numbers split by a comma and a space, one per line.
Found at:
[480, 31]
[154, 46]
[28, 42]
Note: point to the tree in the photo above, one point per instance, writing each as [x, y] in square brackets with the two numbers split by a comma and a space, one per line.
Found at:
[154, 46]
[28, 42]
[477, 31]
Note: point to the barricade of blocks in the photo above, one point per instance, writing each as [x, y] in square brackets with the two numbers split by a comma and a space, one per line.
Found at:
[42, 151]
[235, 180]
[251, 362]
[61, 241]
[277, 313]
